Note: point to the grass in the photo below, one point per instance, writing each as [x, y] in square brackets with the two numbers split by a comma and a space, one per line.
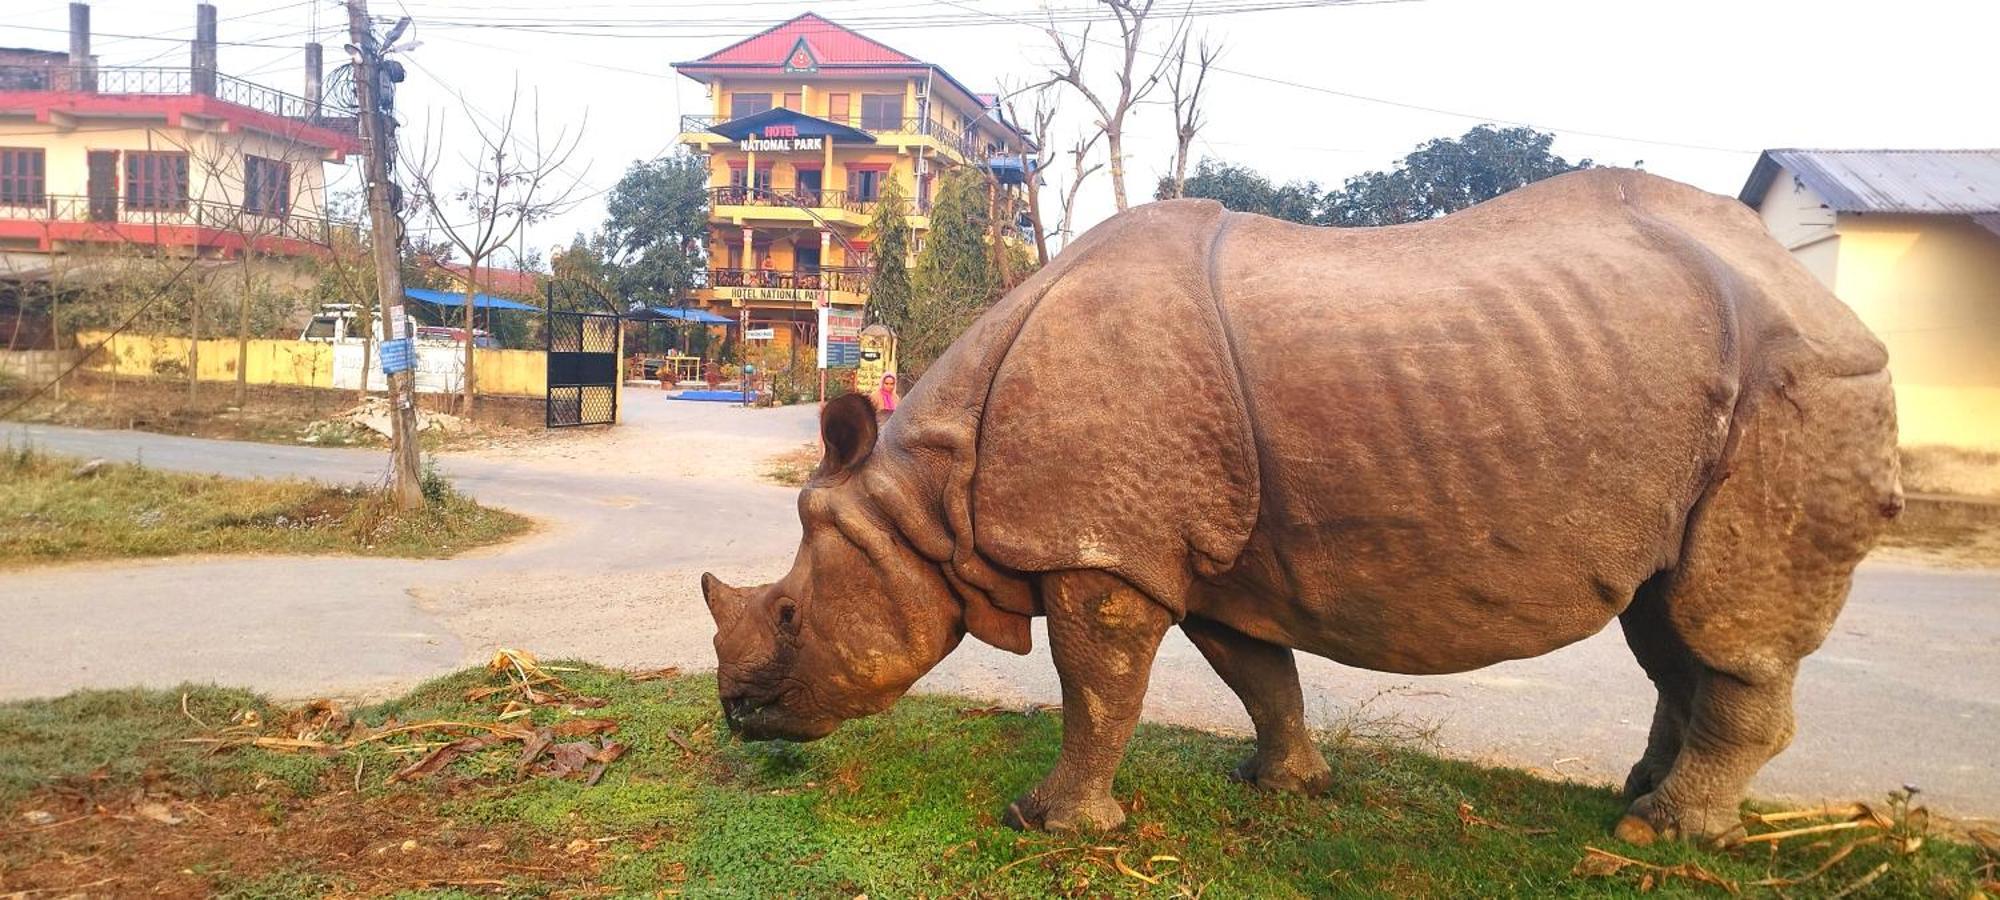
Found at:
[900, 805]
[792, 468]
[51, 510]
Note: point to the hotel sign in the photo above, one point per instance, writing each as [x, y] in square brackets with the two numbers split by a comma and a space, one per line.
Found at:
[781, 139]
[769, 294]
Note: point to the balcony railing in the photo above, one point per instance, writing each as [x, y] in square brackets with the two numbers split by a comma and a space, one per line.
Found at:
[951, 137]
[173, 82]
[853, 279]
[220, 218]
[808, 198]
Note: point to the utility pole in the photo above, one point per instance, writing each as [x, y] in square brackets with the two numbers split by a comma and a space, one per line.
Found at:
[386, 229]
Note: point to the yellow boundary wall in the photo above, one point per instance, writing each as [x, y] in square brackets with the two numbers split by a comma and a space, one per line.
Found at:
[291, 363]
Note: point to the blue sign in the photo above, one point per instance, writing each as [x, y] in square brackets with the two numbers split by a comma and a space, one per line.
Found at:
[398, 356]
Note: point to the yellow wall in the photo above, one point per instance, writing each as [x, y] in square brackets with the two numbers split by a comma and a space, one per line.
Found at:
[271, 362]
[1929, 287]
[297, 363]
[522, 373]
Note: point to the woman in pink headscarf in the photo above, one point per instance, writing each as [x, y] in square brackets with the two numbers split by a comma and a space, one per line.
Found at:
[885, 396]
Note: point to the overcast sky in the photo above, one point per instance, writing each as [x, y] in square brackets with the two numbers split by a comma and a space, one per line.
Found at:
[1312, 90]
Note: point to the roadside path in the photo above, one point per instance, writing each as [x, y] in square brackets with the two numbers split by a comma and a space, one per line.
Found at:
[1906, 690]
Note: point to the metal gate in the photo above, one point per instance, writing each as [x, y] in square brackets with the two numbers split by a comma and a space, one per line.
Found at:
[583, 369]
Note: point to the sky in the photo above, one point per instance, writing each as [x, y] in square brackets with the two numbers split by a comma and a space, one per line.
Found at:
[1305, 89]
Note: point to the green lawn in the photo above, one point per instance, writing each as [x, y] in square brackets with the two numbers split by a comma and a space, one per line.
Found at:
[901, 805]
[49, 512]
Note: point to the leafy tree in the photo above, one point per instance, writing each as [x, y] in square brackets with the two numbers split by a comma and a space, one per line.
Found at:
[889, 245]
[655, 229]
[1446, 175]
[1243, 189]
[955, 279]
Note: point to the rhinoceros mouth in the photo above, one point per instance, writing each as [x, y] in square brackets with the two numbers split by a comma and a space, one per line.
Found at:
[767, 720]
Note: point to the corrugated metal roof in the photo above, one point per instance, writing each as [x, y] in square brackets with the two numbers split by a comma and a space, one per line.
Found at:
[1939, 182]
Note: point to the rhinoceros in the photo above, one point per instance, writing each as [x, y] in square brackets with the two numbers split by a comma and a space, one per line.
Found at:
[1419, 449]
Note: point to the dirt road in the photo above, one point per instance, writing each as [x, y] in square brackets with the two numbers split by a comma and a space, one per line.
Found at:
[1903, 692]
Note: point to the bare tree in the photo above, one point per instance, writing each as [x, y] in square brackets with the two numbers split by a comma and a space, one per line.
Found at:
[1044, 117]
[1188, 119]
[248, 191]
[515, 181]
[1133, 85]
[1081, 167]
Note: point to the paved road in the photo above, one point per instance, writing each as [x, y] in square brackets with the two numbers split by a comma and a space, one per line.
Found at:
[1903, 692]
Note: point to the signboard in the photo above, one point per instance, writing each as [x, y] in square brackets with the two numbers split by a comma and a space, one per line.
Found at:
[878, 357]
[782, 145]
[399, 355]
[839, 338]
[770, 294]
[759, 334]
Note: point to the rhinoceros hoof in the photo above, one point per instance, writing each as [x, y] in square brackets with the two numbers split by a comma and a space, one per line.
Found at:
[1301, 773]
[1650, 819]
[1034, 813]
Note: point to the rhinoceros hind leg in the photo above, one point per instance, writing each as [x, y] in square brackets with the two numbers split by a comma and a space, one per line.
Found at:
[1766, 568]
[1103, 635]
[1672, 670]
[1266, 678]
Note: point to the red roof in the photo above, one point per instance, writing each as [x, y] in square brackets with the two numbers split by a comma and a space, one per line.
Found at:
[510, 282]
[830, 45]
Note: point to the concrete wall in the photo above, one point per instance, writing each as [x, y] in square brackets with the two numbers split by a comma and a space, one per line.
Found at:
[1929, 286]
[35, 366]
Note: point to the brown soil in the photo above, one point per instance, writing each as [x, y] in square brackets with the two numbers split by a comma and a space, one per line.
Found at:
[271, 414]
[339, 844]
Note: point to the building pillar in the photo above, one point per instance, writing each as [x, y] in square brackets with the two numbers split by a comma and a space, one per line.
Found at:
[82, 68]
[201, 62]
[749, 253]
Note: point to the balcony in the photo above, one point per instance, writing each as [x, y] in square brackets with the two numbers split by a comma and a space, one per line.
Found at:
[195, 223]
[846, 279]
[799, 198]
[950, 138]
[138, 82]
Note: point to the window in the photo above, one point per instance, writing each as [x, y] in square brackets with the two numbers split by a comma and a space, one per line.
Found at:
[865, 184]
[156, 181]
[837, 109]
[793, 101]
[738, 175]
[741, 104]
[21, 176]
[881, 112]
[267, 186]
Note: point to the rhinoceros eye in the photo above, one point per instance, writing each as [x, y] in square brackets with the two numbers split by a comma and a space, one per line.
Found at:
[788, 613]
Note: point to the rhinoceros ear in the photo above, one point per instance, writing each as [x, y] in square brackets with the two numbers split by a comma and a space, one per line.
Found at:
[847, 428]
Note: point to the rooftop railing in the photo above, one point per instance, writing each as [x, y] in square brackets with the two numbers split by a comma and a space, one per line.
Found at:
[147, 81]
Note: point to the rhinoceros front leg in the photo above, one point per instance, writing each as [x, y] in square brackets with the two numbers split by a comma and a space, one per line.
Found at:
[1266, 678]
[1103, 634]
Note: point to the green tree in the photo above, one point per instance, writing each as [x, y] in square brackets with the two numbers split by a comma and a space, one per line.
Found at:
[1243, 189]
[656, 227]
[1445, 175]
[955, 279]
[889, 245]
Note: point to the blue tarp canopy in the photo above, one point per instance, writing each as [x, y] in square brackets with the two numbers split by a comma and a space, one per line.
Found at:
[1010, 169]
[688, 315]
[479, 301]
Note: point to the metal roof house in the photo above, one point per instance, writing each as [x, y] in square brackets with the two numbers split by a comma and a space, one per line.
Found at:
[1911, 240]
